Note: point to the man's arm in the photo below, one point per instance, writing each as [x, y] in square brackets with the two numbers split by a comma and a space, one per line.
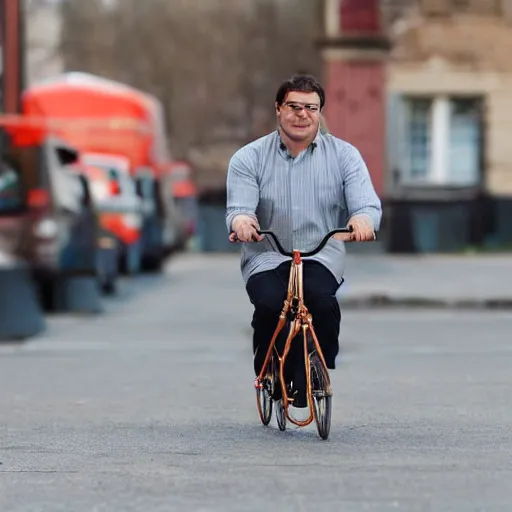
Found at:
[242, 194]
[364, 206]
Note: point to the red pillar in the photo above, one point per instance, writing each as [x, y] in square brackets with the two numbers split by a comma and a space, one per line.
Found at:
[355, 51]
[11, 37]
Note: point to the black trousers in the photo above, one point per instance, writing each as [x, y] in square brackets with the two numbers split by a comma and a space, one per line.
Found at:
[267, 292]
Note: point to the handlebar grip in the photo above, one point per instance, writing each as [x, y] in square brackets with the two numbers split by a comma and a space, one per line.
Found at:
[236, 239]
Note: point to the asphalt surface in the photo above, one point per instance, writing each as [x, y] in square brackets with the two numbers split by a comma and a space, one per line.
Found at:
[151, 407]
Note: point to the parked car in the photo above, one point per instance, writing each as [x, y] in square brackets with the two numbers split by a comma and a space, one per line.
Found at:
[153, 231]
[13, 204]
[175, 221]
[101, 116]
[164, 227]
[107, 247]
[57, 225]
[115, 196]
[184, 192]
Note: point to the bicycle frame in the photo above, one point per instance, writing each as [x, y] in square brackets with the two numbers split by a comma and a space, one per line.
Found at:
[302, 320]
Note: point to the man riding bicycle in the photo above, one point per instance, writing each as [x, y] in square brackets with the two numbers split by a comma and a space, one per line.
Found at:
[299, 183]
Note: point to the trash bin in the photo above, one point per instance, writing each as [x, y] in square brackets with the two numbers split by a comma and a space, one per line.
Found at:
[212, 231]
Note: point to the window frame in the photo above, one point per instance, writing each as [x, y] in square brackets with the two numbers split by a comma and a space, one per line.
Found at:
[438, 172]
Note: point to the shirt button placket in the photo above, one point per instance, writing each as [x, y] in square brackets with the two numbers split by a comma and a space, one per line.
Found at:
[293, 200]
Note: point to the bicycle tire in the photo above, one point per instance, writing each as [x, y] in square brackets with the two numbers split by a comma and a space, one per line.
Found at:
[280, 415]
[266, 394]
[264, 401]
[321, 395]
[277, 393]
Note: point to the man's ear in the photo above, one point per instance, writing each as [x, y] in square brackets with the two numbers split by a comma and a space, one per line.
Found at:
[278, 107]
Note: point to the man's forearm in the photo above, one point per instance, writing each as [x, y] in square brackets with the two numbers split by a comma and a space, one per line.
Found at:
[241, 189]
[360, 195]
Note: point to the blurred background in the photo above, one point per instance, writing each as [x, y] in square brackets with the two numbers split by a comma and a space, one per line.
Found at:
[119, 118]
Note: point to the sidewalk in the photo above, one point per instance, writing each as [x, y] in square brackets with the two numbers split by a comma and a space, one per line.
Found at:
[381, 280]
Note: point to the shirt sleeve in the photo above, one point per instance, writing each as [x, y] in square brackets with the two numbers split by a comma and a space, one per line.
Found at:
[360, 195]
[242, 188]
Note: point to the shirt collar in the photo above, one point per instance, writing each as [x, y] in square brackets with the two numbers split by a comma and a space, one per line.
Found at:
[282, 146]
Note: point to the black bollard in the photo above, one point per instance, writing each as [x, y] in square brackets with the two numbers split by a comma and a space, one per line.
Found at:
[77, 294]
[21, 315]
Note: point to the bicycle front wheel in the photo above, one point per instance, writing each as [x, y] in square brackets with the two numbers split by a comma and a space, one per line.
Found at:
[266, 393]
[264, 401]
[322, 396]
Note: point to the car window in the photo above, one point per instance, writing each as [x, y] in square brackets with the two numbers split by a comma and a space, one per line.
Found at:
[65, 186]
[146, 187]
[11, 190]
[113, 174]
[127, 184]
[19, 172]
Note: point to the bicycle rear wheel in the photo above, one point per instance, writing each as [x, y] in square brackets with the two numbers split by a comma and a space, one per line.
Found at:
[321, 394]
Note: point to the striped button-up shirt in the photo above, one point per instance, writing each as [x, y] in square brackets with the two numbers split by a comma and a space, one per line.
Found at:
[301, 199]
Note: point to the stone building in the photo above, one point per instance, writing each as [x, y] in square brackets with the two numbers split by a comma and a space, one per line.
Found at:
[423, 87]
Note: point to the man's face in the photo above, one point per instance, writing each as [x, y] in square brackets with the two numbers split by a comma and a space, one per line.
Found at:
[299, 115]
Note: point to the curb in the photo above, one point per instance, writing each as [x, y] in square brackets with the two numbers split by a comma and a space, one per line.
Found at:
[388, 302]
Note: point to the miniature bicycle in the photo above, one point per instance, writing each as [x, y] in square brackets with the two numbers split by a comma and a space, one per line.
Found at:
[272, 374]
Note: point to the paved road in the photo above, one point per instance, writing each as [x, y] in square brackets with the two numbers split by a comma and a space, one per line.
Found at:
[151, 408]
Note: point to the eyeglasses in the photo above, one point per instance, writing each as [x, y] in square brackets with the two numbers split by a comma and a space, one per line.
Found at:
[299, 107]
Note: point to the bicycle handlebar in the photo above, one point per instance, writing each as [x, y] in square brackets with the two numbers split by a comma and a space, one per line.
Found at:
[316, 250]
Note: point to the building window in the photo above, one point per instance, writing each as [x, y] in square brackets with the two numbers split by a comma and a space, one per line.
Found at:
[442, 140]
[464, 142]
[419, 129]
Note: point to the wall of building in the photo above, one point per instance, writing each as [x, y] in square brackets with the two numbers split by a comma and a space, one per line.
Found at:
[462, 55]
[444, 53]
[355, 113]
[437, 78]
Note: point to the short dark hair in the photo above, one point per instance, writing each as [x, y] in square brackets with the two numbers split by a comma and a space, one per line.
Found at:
[300, 83]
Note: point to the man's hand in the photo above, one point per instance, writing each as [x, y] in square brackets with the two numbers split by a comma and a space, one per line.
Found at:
[245, 229]
[363, 230]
